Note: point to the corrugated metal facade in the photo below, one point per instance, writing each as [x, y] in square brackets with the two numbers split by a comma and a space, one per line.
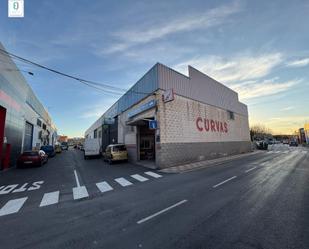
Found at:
[200, 87]
[141, 89]
[197, 86]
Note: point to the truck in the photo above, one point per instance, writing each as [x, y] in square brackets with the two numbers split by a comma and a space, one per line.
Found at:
[92, 148]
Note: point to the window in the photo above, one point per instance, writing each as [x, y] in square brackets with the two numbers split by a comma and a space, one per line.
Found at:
[39, 122]
[95, 134]
[44, 126]
[100, 134]
[230, 115]
[145, 143]
[118, 148]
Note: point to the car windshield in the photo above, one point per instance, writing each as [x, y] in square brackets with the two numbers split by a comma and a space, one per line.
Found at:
[119, 148]
[47, 148]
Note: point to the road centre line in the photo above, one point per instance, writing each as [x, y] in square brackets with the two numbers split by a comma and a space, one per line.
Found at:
[139, 178]
[225, 181]
[153, 174]
[248, 170]
[123, 182]
[76, 178]
[50, 198]
[12, 206]
[161, 212]
[80, 192]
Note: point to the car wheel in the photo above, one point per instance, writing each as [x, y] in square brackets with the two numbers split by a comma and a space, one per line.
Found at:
[110, 161]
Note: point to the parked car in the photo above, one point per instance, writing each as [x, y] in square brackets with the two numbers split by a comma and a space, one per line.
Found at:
[58, 148]
[64, 146]
[92, 147]
[293, 143]
[285, 141]
[49, 150]
[261, 145]
[115, 152]
[32, 158]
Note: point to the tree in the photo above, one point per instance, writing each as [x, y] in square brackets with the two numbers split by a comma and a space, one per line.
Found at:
[260, 132]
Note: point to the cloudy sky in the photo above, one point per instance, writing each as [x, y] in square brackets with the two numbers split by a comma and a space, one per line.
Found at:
[258, 48]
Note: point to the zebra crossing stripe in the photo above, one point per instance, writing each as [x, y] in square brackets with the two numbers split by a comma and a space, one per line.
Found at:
[139, 178]
[155, 175]
[12, 206]
[80, 192]
[104, 186]
[50, 198]
[123, 182]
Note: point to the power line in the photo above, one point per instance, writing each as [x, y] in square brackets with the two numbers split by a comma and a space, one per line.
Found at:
[110, 90]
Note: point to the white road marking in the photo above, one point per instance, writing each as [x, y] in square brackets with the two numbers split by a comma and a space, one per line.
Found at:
[155, 175]
[248, 170]
[76, 178]
[35, 185]
[80, 192]
[161, 212]
[8, 189]
[12, 206]
[104, 186]
[123, 182]
[217, 185]
[21, 189]
[50, 198]
[139, 178]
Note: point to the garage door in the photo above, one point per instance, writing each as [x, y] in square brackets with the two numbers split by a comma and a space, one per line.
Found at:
[28, 136]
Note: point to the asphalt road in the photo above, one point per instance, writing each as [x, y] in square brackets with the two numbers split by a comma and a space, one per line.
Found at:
[257, 201]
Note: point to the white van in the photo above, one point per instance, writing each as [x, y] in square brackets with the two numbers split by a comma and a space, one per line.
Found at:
[92, 147]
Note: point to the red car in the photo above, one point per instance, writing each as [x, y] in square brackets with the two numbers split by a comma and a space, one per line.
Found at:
[32, 158]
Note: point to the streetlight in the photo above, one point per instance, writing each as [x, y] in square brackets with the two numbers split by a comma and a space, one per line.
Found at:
[18, 70]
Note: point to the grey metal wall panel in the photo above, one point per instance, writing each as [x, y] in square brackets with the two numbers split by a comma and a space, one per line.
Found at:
[201, 87]
[141, 89]
[145, 86]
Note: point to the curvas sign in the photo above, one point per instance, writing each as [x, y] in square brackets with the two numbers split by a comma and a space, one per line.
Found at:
[204, 124]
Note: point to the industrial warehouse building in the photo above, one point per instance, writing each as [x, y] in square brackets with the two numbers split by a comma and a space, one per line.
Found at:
[168, 118]
[24, 122]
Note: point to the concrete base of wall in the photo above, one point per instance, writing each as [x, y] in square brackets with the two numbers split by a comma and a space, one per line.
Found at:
[172, 154]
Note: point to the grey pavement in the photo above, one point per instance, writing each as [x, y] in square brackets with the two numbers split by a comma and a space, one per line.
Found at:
[258, 201]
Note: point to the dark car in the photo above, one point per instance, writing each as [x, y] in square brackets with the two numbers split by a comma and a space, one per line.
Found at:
[32, 158]
[64, 146]
[49, 150]
[261, 145]
[293, 143]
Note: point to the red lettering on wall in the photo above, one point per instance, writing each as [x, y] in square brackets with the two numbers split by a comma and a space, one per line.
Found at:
[206, 123]
[211, 125]
[225, 127]
[199, 120]
[221, 127]
[217, 125]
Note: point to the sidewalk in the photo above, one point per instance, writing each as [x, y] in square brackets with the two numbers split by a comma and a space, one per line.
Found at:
[203, 164]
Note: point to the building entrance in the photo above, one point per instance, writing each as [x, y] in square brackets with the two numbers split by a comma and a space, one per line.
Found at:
[146, 143]
[28, 136]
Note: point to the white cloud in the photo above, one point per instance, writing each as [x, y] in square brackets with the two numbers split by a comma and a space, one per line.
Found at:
[213, 17]
[261, 89]
[96, 110]
[299, 63]
[288, 108]
[239, 68]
